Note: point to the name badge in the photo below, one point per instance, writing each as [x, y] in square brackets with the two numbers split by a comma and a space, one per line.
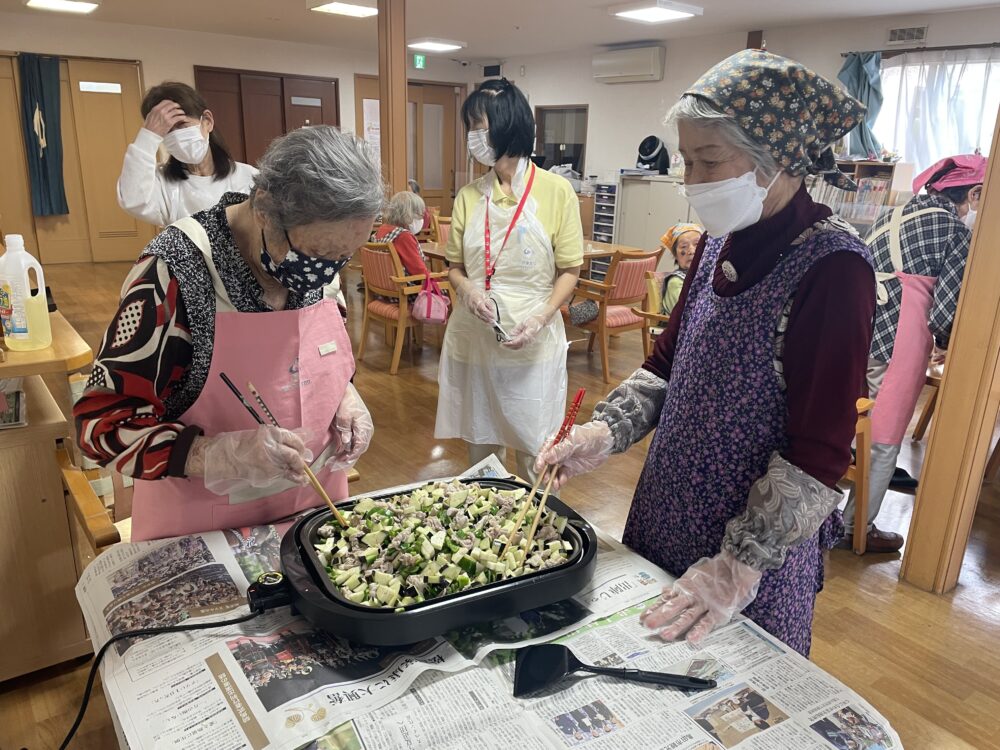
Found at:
[328, 348]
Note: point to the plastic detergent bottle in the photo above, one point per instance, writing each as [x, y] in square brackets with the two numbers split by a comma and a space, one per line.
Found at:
[24, 312]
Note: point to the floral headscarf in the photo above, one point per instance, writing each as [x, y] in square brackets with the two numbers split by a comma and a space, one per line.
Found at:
[794, 112]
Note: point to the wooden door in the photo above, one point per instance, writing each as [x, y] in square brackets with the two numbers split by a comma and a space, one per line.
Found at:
[310, 101]
[221, 90]
[366, 109]
[432, 134]
[435, 144]
[66, 238]
[263, 118]
[15, 185]
[106, 98]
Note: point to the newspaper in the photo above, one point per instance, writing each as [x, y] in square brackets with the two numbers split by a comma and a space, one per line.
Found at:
[278, 682]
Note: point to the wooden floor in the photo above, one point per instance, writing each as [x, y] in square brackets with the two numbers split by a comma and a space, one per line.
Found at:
[930, 663]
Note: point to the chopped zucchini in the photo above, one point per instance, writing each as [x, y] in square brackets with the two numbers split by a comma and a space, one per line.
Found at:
[402, 551]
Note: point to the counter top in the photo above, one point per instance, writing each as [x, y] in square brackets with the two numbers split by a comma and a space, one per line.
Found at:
[69, 352]
[652, 177]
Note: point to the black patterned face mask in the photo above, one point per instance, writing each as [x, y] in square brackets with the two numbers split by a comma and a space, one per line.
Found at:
[299, 272]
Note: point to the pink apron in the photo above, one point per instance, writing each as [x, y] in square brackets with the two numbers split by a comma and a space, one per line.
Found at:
[301, 362]
[911, 350]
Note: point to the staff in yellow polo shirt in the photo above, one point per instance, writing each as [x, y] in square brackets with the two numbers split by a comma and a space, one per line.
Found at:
[515, 252]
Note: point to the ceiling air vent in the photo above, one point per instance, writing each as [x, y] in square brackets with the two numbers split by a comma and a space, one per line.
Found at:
[911, 35]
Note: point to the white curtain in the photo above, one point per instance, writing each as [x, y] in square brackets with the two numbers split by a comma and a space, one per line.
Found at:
[937, 104]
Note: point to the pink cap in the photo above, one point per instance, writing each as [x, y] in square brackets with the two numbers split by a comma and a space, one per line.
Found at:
[963, 170]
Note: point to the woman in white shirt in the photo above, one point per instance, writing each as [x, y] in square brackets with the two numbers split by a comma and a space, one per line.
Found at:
[199, 170]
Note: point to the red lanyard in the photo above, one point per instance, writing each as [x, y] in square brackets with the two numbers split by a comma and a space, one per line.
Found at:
[490, 270]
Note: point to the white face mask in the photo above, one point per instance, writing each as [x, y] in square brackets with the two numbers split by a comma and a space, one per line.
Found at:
[480, 148]
[417, 225]
[186, 145]
[970, 218]
[728, 205]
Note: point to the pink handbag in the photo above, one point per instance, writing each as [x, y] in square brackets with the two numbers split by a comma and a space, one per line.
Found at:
[431, 305]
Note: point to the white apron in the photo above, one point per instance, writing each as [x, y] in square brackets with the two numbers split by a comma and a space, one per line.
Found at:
[489, 394]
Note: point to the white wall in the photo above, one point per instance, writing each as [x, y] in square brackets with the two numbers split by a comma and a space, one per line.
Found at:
[621, 115]
[820, 47]
[169, 54]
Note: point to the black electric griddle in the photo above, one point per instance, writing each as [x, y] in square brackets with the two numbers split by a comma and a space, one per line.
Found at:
[316, 597]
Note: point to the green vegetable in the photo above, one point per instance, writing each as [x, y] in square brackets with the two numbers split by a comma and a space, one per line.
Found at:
[391, 556]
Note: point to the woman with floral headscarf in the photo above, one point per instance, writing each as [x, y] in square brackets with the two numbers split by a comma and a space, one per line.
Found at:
[752, 386]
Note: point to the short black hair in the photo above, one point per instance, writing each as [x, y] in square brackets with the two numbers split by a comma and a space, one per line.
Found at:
[504, 106]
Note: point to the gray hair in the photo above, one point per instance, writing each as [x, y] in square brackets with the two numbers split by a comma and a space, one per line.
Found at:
[702, 113]
[404, 208]
[413, 185]
[318, 174]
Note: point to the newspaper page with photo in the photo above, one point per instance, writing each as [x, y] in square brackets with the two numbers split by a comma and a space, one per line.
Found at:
[768, 698]
[278, 682]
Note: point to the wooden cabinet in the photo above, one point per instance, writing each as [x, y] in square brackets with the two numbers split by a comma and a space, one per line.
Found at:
[41, 623]
[38, 569]
[251, 108]
[647, 207]
[587, 216]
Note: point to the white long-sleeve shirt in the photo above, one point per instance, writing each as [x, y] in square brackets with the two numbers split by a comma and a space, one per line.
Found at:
[145, 193]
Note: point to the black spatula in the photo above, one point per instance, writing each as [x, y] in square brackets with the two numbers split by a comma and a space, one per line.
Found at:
[538, 667]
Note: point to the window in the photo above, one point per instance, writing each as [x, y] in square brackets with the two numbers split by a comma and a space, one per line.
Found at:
[939, 103]
[561, 136]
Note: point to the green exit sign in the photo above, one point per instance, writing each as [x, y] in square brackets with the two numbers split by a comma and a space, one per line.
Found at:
[420, 62]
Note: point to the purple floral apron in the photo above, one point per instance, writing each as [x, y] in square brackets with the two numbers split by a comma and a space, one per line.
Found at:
[724, 415]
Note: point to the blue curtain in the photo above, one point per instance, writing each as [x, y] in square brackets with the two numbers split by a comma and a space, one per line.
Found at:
[42, 125]
[862, 75]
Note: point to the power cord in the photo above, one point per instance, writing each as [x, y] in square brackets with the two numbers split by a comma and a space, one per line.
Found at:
[270, 591]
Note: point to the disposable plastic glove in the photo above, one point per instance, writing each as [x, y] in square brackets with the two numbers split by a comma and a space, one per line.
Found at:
[528, 329]
[352, 428]
[709, 594]
[476, 300]
[586, 447]
[254, 458]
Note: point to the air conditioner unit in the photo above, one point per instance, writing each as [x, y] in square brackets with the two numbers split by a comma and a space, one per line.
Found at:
[631, 65]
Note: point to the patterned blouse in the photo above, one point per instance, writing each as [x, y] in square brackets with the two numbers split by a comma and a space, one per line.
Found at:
[155, 356]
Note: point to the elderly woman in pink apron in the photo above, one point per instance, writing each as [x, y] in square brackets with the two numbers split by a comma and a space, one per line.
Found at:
[238, 289]
[752, 386]
[919, 251]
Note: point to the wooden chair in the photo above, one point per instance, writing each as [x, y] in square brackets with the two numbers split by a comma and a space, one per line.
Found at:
[655, 320]
[934, 374]
[387, 288]
[623, 287]
[857, 473]
[427, 233]
[442, 229]
[92, 519]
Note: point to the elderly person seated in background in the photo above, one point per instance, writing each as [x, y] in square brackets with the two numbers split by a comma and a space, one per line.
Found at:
[682, 242]
[238, 289]
[401, 223]
[414, 187]
[752, 385]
